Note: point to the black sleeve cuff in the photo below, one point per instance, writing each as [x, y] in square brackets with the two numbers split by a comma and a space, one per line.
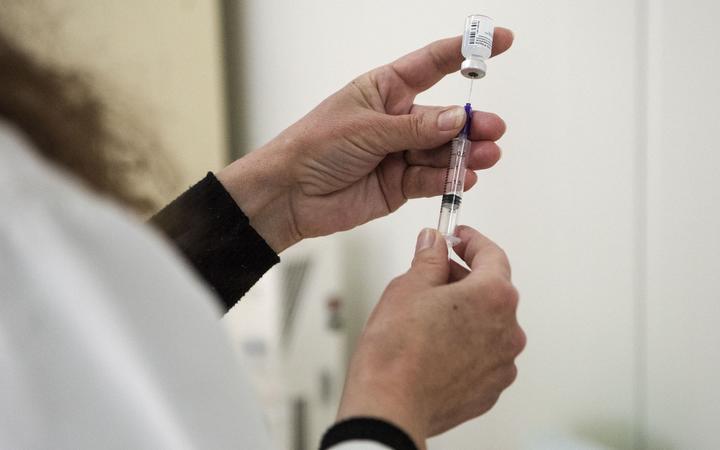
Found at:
[369, 429]
[215, 236]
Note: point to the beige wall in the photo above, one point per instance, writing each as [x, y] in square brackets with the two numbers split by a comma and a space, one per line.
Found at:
[157, 61]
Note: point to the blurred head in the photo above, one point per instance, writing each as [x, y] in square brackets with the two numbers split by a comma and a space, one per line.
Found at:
[67, 123]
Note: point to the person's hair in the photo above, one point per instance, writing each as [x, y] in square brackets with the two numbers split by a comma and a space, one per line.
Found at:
[68, 124]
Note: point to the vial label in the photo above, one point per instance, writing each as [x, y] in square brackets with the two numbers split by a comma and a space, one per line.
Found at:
[477, 38]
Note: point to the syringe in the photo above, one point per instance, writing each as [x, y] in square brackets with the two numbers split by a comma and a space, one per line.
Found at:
[455, 182]
[476, 48]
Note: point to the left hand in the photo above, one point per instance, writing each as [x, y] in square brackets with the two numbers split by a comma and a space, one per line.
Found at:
[363, 152]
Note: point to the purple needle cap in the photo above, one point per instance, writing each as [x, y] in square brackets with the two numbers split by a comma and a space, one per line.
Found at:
[468, 122]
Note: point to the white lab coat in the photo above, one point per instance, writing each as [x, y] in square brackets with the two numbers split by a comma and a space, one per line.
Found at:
[107, 340]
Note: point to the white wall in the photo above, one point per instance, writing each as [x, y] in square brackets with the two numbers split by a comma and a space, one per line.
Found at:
[561, 204]
[683, 241]
[605, 198]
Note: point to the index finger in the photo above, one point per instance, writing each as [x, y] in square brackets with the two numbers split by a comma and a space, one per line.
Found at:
[480, 253]
[423, 68]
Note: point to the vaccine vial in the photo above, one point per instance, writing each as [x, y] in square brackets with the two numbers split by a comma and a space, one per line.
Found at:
[476, 45]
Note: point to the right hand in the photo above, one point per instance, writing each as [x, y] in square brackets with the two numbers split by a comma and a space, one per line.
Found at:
[440, 346]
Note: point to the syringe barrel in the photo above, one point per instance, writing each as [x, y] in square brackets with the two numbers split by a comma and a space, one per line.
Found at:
[454, 187]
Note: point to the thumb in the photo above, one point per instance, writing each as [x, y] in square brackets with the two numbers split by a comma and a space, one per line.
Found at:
[424, 127]
[430, 265]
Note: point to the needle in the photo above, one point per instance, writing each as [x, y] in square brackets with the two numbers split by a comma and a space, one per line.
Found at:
[470, 93]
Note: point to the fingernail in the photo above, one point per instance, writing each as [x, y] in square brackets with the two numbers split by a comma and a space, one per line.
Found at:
[426, 239]
[452, 119]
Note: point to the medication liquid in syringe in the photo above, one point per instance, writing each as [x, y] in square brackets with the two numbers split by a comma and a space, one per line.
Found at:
[476, 48]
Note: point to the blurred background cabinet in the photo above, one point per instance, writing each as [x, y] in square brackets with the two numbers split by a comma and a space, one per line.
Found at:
[291, 331]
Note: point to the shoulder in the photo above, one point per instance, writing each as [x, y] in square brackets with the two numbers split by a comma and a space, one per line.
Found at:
[101, 318]
[46, 214]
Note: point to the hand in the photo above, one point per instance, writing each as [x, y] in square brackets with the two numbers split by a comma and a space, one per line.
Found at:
[362, 152]
[440, 346]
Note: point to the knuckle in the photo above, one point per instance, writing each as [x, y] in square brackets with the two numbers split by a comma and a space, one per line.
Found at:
[518, 341]
[509, 375]
[503, 255]
[512, 296]
[395, 284]
[427, 262]
[503, 259]
[495, 282]
[415, 123]
[500, 293]
[490, 400]
[413, 157]
[431, 260]
[413, 182]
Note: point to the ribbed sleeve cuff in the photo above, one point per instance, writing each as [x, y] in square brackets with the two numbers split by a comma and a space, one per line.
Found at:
[368, 429]
[215, 236]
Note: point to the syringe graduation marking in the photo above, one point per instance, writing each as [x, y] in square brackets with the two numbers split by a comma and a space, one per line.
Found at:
[455, 179]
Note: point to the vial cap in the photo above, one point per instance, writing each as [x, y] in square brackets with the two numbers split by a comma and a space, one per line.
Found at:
[473, 68]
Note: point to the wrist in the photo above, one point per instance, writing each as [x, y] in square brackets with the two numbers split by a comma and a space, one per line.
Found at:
[257, 184]
[389, 397]
[367, 429]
